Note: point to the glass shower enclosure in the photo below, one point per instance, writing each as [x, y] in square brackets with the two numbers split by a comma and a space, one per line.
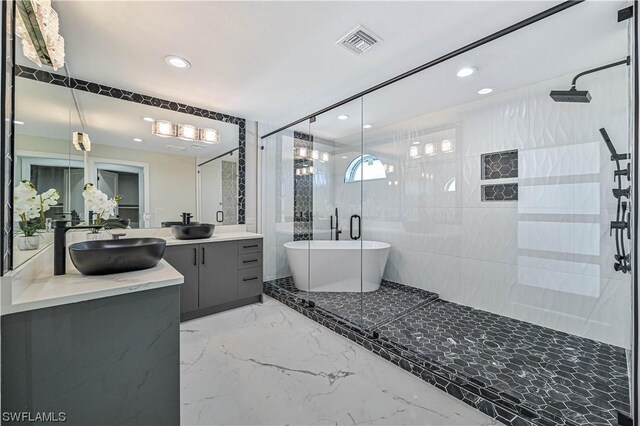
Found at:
[469, 228]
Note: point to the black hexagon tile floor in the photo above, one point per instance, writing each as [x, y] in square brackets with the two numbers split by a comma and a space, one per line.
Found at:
[370, 310]
[544, 376]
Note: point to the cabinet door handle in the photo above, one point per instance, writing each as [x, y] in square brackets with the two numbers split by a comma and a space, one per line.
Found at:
[253, 246]
[203, 255]
[249, 279]
[195, 256]
[250, 261]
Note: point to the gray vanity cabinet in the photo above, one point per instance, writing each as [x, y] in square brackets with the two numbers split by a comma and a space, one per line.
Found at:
[185, 259]
[218, 275]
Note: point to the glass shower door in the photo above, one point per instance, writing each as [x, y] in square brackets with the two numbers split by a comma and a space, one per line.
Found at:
[330, 150]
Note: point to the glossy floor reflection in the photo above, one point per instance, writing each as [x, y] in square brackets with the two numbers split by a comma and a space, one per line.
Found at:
[267, 364]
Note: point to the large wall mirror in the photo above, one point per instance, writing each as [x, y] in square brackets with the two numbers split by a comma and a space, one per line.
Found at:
[157, 158]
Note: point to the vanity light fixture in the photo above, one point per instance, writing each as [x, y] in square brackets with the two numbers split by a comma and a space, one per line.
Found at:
[81, 141]
[37, 25]
[429, 149]
[485, 91]
[466, 71]
[164, 129]
[446, 145]
[137, 140]
[413, 151]
[343, 117]
[178, 62]
[187, 132]
[210, 136]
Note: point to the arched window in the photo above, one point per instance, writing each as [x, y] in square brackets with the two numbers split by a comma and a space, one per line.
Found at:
[366, 167]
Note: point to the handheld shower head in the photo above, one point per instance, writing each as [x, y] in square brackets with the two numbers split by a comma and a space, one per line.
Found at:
[607, 141]
[571, 95]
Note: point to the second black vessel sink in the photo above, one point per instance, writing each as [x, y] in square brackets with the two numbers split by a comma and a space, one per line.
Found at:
[192, 231]
[101, 257]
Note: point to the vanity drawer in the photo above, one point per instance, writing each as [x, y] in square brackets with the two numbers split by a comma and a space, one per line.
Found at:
[250, 246]
[249, 260]
[249, 282]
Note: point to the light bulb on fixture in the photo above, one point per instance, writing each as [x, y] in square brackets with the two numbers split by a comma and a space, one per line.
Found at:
[302, 152]
[164, 129]
[81, 141]
[298, 172]
[413, 151]
[315, 154]
[187, 132]
[210, 136]
[325, 156]
[391, 168]
[446, 145]
[310, 169]
[429, 149]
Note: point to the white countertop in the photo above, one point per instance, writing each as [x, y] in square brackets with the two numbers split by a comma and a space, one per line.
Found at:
[33, 285]
[73, 287]
[223, 236]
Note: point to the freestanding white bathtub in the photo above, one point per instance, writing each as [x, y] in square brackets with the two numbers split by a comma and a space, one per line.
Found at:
[336, 265]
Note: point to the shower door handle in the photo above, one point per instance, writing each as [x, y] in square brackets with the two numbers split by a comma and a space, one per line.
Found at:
[219, 216]
[354, 237]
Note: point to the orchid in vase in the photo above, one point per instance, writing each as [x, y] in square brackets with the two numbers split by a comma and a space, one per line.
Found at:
[30, 207]
[101, 206]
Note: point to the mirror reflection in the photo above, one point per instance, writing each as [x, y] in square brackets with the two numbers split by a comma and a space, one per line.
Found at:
[99, 159]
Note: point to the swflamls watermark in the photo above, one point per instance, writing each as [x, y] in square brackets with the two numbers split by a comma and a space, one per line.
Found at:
[36, 417]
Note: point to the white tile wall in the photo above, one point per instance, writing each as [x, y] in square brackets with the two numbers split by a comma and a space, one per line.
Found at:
[547, 258]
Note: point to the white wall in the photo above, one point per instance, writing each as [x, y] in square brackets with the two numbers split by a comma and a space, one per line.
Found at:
[546, 258]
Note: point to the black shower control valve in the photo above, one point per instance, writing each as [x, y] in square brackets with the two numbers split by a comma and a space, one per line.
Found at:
[618, 224]
[620, 172]
[621, 192]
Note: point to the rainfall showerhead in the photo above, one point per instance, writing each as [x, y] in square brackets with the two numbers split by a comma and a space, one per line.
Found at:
[582, 96]
[571, 95]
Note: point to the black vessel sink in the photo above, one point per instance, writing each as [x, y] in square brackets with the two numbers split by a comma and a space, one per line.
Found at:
[169, 224]
[192, 231]
[101, 257]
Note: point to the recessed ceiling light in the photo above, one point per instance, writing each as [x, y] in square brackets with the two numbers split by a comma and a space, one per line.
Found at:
[366, 126]
[18, 122]
[149, 119]
[343, 117]
[466, 71]
[178, 62]
[137, 140]
[344, 156]
[485, 91]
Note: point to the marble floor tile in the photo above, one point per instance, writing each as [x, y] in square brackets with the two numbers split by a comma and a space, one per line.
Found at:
[265, 364]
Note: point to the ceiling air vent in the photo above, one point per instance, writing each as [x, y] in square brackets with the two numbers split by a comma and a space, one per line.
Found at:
[359, 40]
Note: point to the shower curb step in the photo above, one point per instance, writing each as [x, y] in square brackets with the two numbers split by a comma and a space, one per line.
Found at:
[465, 389]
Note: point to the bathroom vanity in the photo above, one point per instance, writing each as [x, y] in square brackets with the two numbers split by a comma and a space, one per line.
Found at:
[94, 349]
[220, 273]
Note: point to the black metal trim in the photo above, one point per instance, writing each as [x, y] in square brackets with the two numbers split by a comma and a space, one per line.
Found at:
[634, 224]
[126, 95]
[508, 30]
[219, 156]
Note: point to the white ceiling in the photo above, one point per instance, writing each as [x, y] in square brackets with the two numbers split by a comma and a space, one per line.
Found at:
[267, 61]
[275, 62]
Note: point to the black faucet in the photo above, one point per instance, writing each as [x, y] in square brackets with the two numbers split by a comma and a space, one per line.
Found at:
[60, 243]
[186, 218]
[337, 229]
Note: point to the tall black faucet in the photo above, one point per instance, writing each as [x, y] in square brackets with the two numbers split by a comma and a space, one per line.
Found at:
[336, 229]
[60, 244]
